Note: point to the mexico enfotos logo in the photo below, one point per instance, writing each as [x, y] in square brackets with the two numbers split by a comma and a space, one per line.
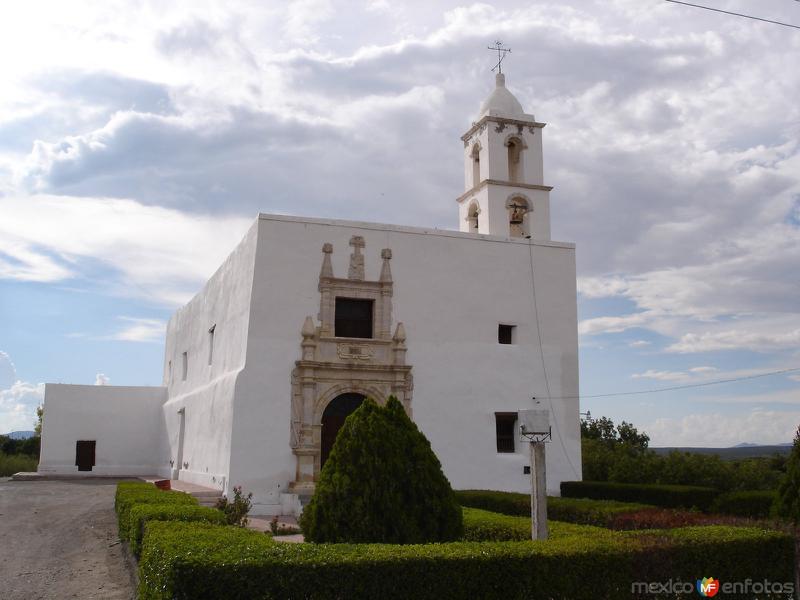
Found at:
[708, 587]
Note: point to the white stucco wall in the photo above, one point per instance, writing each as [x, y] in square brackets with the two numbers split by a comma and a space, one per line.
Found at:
[204, 400]
[451, 292]
[126, 423]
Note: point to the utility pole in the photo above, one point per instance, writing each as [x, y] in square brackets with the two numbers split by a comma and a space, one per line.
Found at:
[535, 429]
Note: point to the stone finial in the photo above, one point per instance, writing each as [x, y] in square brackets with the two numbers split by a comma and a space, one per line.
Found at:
[308, 344]
[399, 346]
[386, 271]
[356, 270]
[327, 268]
[308, 329]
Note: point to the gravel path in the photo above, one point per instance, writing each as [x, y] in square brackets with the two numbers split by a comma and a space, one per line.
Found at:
[58, 540]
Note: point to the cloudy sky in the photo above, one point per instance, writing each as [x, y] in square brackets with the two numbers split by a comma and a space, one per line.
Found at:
[139, 139]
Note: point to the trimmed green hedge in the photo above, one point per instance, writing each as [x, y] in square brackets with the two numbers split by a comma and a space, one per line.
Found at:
[198, 561]
[141, 514]
[583, 511]
[129, 494]
[485, 526]
[668, 496]
[756, 505]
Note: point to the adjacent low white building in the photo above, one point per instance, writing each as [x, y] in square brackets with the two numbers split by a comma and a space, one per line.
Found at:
[307, 317]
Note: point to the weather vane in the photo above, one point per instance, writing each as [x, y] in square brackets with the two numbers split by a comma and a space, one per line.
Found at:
[501, 54]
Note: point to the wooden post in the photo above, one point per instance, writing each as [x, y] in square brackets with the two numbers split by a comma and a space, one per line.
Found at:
[538, 492]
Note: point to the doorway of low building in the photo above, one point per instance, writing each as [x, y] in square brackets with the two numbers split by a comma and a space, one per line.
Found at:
[333, 418]
[84, 454]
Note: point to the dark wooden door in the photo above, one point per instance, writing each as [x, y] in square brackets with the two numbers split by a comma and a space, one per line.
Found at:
[84, 454]
[333, 418]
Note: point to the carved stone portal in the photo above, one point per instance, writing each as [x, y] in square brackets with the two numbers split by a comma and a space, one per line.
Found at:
[331, 366]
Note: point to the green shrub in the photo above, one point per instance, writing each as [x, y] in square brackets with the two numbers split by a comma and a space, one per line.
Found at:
[199, 561]
[141, 514]
[236, 510]
[486, 526]
[16, 463]
[570, 510]
[382, 483]
[129, 494]
[756, 505]
[669, 496]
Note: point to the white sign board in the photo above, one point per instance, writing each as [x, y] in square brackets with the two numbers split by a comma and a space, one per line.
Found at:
[534, 421]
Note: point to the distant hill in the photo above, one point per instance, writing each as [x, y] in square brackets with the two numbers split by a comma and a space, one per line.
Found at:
[735, 453]
[19, 435]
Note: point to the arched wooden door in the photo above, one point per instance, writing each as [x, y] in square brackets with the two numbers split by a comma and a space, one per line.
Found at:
[333, 418]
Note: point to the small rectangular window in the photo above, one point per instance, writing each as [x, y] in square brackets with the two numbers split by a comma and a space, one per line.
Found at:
[353, 318]
[169, 371]
[505, 334]
[504, 423]
[211, 343]
[185, 365]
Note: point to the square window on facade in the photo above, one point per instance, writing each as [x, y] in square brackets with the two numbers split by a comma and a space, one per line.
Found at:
[505, 334]
[504, 423]
[353, 318]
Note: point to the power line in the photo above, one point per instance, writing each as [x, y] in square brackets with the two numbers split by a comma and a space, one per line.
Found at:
[680, 387]
[727, 12]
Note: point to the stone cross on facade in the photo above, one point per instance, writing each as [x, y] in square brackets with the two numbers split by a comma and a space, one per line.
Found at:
[356, 270]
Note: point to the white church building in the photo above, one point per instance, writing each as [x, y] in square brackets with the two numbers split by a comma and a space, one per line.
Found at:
[307, 317]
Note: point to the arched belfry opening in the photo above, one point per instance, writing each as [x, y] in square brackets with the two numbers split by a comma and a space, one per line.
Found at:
[519, 209]
[472, 217]
[516, 148]
[476, 165]
[354, 350]
[333, 417]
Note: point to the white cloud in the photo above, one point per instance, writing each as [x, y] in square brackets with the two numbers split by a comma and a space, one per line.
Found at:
[723, 430]
[18, 404]
[661, 375]
[141, 330]
[639, 344]
[303, 17]
[703, 370]
[735, 339]
[102, 379]
[159, 253]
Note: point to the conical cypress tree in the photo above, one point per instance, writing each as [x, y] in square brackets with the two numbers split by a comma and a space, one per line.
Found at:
[382, 483]
[789, 488]
[788, 501]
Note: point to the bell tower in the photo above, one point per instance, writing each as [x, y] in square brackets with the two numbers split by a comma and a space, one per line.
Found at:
[504, 186]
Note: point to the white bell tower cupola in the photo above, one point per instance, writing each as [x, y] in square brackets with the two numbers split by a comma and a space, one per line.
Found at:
[504, 186]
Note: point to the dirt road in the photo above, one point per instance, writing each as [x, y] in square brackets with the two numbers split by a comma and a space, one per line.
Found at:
[58, 540]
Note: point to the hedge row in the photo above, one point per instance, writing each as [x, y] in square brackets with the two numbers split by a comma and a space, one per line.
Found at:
[757, 505]
[141, 514]
[583, 511]
[668, 496]
[130, 494]
[198, 561]
[485, 526]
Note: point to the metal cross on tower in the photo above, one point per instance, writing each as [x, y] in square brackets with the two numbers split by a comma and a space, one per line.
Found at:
[501, 54]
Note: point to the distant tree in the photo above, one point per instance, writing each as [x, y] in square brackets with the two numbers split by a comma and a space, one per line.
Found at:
[789, 488]
[628, 434]
[382, 483]
[601, 429]
[37, 428]
[788, 502]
